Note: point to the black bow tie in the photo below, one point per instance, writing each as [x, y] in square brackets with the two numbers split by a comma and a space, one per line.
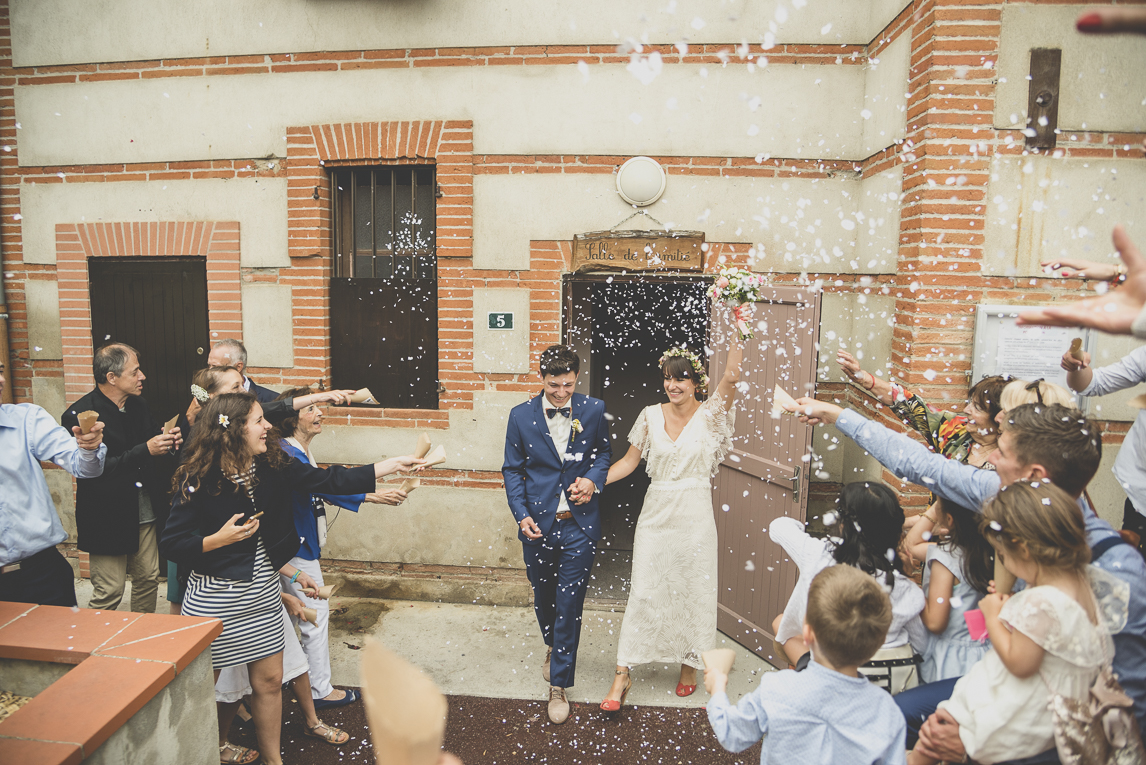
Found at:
[565, 411]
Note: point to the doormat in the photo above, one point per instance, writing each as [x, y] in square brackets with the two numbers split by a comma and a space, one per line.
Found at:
[485, 731]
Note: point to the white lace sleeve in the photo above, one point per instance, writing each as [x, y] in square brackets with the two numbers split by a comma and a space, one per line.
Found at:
[1054, 621]
[639, 435]
[719, 423]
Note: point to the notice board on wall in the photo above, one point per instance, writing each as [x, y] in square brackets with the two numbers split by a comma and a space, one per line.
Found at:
[1002, 346]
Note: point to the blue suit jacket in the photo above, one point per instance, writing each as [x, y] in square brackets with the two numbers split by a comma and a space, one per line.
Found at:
[536, 475]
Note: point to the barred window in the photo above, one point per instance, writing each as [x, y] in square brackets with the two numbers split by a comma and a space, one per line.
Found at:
[383, 293]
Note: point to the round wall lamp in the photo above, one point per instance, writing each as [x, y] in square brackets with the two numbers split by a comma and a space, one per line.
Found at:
[641, 181]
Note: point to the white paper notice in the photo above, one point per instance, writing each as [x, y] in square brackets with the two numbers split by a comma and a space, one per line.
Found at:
[1029, 353]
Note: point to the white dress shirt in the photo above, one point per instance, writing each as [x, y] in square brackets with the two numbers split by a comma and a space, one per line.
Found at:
[560, 428]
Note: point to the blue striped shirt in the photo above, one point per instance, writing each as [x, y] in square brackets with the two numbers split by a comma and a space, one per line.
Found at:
[29, 522]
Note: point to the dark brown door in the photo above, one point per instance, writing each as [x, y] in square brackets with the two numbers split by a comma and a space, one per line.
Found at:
[765, 475]
[159, 307]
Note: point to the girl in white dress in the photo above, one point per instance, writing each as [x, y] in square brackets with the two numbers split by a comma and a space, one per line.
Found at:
[671, 612]
[1051, 638]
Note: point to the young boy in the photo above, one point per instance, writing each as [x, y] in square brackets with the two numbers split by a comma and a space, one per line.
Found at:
[829, 712]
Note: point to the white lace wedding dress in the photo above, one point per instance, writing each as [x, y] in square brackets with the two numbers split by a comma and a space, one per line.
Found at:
[671, 613]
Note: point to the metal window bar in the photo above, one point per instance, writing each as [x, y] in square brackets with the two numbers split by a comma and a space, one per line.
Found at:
[389, 259]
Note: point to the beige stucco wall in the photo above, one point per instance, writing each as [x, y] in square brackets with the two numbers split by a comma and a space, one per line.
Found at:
[1099, 91]
[43, 301]
[266, 306]
[501, 350]
[803, 224]
[1043, 207]
[437, 524]
[522, 110]
[66, 32]
[259, 204]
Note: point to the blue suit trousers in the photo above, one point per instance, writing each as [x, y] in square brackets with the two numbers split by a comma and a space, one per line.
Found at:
[558, 567]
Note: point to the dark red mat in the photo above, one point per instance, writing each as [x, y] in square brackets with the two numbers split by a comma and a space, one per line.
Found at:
[501, 731]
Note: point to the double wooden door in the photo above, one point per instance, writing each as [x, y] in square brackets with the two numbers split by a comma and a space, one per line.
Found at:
[765, 476]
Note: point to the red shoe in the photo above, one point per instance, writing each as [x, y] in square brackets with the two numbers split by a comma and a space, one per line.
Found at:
[685, 690]
[611, 706]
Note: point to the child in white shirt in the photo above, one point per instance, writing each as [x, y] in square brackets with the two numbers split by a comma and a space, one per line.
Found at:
[828, 713]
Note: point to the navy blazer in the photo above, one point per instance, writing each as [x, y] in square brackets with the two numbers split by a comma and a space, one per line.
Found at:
[261, 394]
[535, 475]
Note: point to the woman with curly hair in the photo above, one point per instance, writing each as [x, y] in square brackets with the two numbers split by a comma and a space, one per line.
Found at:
[671, 613]
[231, 524]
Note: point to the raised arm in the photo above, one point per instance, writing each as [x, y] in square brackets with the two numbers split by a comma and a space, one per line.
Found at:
[880, 389]
[726, 389]
[82, 456]
[905, 457]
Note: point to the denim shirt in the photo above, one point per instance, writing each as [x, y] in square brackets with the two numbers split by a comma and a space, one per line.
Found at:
[972, 488]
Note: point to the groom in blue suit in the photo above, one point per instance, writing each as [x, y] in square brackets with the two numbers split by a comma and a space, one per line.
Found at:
[557, 457]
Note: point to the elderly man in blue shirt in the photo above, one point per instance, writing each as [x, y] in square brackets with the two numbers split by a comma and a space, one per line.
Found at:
[32, 570]
[1052, 442]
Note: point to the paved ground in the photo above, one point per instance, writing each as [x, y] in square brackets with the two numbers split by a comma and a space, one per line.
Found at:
[487, 660]
[495, 651]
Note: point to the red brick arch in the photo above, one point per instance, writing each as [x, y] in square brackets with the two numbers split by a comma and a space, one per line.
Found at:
[218, 241]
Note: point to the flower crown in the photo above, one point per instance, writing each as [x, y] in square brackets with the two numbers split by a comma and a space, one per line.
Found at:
[200, 395]
[693, 359]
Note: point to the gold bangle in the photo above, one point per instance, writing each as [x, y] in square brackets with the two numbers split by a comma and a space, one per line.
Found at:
[928, 517]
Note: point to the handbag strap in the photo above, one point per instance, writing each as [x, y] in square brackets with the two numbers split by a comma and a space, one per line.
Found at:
[1098, 550]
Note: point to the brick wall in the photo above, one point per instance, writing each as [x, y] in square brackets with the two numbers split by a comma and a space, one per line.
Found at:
[937, 280]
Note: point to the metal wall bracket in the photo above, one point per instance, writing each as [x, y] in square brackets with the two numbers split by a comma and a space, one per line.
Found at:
[1042, 100]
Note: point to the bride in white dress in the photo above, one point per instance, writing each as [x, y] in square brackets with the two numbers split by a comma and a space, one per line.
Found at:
[671, 612]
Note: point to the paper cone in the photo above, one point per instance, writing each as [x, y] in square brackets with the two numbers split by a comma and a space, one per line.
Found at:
[327, 591]
[436, 457]
[167, 426]
[405, 710]
[423, 446]
[311, 615]
[410, 484]
[1076, 348]
[1004, 580]
[1138, 402]
[87, 420]
[720, 659]
[780, 399]
[363, 396]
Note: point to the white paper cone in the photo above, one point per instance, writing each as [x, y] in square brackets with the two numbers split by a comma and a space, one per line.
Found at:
[780, 399]
[405, 710]
[423, 446]
[436, 457]
[410, 484]
[719, 659]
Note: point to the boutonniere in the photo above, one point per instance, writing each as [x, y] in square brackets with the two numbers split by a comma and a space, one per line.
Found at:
[576, 425]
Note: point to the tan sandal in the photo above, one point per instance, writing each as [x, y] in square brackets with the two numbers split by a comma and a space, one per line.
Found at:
[233, 754]
[332, 736]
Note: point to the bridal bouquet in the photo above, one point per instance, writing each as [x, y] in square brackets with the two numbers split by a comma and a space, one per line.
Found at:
[738, 288]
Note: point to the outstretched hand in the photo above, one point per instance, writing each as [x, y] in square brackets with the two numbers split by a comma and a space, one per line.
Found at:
[1113, 312]
[814, 412]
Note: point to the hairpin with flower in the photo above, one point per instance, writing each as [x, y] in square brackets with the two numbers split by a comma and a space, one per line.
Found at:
[224, 420]
[200, 395]
[693, 359]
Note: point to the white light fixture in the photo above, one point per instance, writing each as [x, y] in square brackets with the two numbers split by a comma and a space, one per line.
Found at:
[641, 181]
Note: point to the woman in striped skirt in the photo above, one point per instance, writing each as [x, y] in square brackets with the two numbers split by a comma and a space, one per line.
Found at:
[231, 525]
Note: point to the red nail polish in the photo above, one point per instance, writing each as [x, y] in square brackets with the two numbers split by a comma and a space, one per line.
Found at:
[1091, 22]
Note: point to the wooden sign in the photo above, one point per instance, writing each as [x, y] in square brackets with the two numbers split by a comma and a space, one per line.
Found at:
[638, 251]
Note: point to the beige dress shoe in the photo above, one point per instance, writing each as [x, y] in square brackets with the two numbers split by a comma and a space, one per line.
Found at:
[558, 705]
[545, 666]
